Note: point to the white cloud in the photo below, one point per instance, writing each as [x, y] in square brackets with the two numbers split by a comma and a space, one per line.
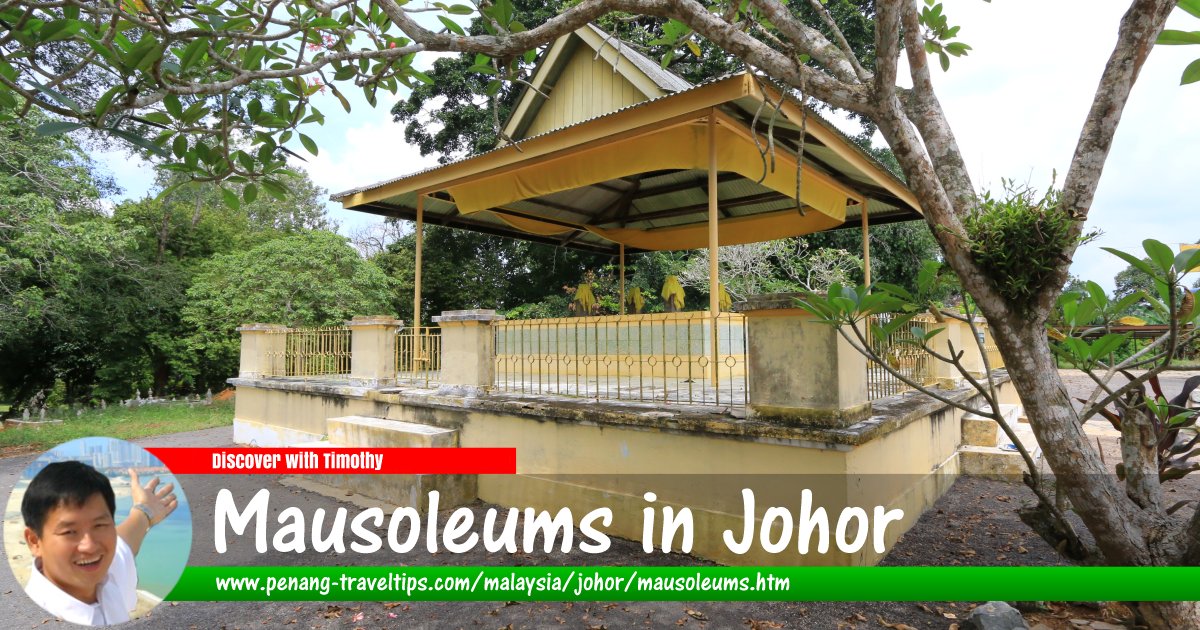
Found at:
[370, 152]
[1018, 100]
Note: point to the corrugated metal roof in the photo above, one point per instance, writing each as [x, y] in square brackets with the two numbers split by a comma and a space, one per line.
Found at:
[347, 193]
[850, 142]
[665, 79]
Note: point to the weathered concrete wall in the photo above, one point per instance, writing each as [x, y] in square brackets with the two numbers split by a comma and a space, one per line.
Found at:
[802, 371]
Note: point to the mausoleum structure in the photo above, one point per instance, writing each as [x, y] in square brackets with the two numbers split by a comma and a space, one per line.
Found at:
[610, 153]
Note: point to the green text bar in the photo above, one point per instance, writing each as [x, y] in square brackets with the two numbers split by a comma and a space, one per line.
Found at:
[687, 583]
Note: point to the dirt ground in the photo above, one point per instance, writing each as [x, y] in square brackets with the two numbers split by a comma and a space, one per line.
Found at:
[975, 523]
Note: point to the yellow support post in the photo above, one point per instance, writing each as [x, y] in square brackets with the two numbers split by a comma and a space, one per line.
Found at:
[866, 240]
[622, 278]
[417, 262]
[714, 282]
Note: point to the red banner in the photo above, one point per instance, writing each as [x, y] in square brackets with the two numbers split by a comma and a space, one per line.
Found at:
[340, 460]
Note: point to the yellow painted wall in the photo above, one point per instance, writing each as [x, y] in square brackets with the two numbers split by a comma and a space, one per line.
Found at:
[586, 88]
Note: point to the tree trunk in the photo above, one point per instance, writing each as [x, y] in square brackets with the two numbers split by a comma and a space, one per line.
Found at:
[1094, 492]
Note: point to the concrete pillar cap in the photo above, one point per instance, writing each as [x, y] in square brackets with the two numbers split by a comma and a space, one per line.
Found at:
[473, 315]
[374, 320]
[768, 302]
[260, 327]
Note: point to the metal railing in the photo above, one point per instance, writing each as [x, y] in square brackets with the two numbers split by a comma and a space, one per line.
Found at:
[419, 356]
[661, 357]
[309, 352]
[905, 358]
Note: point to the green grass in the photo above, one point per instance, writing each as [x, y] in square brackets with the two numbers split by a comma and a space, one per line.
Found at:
[120, 422]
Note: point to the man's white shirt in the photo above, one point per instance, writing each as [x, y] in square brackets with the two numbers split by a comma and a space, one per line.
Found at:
[116, 596]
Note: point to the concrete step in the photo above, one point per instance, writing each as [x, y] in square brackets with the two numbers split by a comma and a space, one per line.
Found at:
[998, 462]
[978, 430]
[381, 433]
[398, 490]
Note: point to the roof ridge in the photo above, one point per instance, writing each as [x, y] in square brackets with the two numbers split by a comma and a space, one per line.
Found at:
[664, 78]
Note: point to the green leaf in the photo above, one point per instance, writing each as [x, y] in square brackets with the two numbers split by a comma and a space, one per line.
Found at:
[252, 60]
[1175, 38]
[137, 140]
[59, 97]
[1187, 260]
[231, 198]
[1160, 254]
[179, 146]
[460, 9]
[145, 52]
[57, 127]
[1137, 263]
[56, 30]
[451, 25]
[250, 193]
[105, 101]
[192, 53]
[342, 99]
[174, 106]
[274, 188]
[895, 290]
[1191, 6]
[481, 69]
[1107, 344]
[421, 76]
[308, 144]
[157, 117]
[1191, 73]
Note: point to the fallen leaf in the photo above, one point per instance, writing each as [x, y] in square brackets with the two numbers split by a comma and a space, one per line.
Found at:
[762, 624]
[893, 626]
[357, 618]
[925, 608]
[695, 614]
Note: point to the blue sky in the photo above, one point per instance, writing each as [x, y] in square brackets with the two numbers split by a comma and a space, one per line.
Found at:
[1016, 103]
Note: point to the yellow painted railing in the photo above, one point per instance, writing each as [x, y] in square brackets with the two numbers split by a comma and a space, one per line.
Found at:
[660, 357]
[310, 352]
[905, 358]
[418, 356]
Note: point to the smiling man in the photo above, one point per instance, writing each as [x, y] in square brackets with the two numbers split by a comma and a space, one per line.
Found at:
[83, 568]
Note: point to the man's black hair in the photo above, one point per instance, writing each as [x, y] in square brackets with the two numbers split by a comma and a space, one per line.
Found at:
[63, 483]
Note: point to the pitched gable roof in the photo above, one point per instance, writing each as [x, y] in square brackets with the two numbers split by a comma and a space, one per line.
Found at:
[585, 74]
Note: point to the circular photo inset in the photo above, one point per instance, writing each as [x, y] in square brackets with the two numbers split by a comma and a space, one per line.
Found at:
[98, 531]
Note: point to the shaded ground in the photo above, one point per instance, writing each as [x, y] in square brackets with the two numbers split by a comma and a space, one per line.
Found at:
[974, 524]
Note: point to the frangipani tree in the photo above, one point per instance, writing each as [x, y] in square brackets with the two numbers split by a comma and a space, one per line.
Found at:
[216, 89]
